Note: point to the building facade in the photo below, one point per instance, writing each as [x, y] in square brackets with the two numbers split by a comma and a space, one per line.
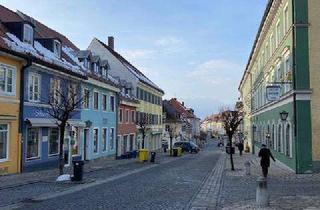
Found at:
[285, 55]
[10, 138]
[148, 94]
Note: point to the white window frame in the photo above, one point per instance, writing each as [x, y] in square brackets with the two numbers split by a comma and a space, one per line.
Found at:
[26, 39]
[49, 135]
[33, 89]
[7, 143]
[53, 89]
[104, 140]
[13, 69]
[93, 147]
[57, 51]
[39, 145]
[94, 100]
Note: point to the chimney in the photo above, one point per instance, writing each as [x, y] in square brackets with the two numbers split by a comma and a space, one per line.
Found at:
[111, 42]
[182, 103]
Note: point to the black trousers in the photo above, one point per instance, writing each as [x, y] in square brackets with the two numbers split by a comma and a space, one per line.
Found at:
[265, 170]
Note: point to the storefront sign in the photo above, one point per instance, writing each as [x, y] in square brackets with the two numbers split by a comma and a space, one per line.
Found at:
[273, 92]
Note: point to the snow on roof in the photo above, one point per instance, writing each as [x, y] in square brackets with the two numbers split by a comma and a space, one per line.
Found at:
[140, 76]
[42, 53]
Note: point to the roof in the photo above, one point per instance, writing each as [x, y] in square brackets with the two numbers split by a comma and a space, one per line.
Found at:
[269, 4]
[138, 74]
[83, 54]
[11, 44]
[181, 109]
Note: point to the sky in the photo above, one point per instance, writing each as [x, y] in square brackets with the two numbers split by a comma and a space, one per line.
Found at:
[196, 51]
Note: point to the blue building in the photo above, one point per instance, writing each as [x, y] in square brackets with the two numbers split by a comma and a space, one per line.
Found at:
[100, 106]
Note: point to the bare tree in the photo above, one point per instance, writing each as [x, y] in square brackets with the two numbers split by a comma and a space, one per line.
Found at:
[63, 102]
[231, 119]
[142, 123]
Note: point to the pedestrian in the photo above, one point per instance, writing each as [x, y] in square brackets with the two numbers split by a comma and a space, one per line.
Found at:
[240, 147]
[265, 155]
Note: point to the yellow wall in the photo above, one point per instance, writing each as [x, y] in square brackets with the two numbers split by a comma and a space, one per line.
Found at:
[314, 55]
[9, 113]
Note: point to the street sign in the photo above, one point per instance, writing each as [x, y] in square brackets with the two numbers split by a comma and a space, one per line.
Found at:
[273, 92]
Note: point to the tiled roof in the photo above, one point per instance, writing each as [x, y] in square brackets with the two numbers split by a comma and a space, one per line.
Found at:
[144, 79]
[181, 109]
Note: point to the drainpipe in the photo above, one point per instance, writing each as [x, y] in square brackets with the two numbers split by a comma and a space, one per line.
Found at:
[22, 93]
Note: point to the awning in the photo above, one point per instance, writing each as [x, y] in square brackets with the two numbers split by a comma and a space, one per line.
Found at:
[42, 122]
[47, 122]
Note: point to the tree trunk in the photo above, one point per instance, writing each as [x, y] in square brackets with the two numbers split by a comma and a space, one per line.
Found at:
[230, 153]
[61, 152]
[143, 137]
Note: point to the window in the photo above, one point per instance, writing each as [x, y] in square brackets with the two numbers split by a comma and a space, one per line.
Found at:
[7, 79]
[278, 33]
[4, 141]
[286, 19]
[95, 140]
[138, 93]
[72, 93]
[86, 99]
[112, 138]
[27, 34]
[55, 91]
[95, 100]
[288, 141]
[127, 116]
[112, 105]
[57, 48]
[104, 102]
[34, 87]
[287, 72]
[120, 115]
[141, 94]
[33, 143]
[104, 139]
[279, 138]
[54, 141]
[133, 117]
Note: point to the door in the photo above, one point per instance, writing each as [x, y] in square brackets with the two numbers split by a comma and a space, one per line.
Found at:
[85, 142]
[131, 142]
[125, 143]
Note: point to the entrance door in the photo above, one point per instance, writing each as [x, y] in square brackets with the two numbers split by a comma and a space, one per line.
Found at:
[125, 143]
[85, 142]
[131, 142]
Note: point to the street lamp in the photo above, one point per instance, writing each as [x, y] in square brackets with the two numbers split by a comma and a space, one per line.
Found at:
[268, 136]
[284, 115]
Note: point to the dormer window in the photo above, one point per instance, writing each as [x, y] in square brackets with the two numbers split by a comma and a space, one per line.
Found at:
[104, 72]
[96, 68]
[27, 34]
[57, 48]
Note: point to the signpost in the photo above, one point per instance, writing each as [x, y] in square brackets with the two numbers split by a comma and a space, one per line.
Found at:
[273, 92]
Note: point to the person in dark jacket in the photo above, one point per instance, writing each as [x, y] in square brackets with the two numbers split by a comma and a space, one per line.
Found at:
[265, 155]
[240, 147]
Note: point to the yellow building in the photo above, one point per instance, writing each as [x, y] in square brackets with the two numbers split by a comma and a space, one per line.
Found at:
[10, 149]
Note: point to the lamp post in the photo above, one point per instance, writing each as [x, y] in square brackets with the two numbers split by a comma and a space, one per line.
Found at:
[283, 117]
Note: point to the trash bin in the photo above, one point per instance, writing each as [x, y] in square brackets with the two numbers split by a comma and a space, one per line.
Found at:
[175, 152]
[153, 157]
[77, 170]
[143, 155]
[134, 154]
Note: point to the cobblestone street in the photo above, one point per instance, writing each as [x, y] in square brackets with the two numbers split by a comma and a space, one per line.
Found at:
[287, 190]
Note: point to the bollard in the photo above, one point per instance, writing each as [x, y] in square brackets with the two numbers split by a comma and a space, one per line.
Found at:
[247, 167]
[262, 197]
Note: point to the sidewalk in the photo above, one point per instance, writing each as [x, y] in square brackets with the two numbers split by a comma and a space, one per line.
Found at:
[287, 190]
[23, 187]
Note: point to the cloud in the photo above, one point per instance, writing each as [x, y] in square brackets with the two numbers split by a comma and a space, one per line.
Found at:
[168, 41]
[215, 66]
[137, 54]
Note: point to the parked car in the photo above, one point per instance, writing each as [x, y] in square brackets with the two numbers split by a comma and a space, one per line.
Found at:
[187, 146]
